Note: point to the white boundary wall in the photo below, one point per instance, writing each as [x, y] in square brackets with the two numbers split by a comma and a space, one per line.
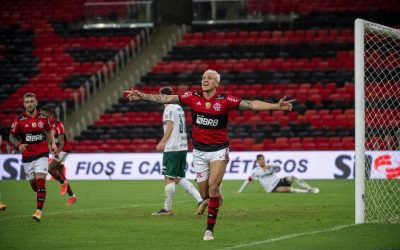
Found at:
[147, 166]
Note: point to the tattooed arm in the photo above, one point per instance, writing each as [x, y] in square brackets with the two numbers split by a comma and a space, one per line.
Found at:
[257, 105]
[14, 140]
[135, 95]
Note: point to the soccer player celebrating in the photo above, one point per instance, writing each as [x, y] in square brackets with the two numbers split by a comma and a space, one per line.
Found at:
[265, 173]
[174, 145]
[34, 131]
[56, 167]
[210, 109]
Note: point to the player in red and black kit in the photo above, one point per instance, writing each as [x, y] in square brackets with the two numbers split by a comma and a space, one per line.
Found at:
[30, 133]
[56, 167]
[210, 110]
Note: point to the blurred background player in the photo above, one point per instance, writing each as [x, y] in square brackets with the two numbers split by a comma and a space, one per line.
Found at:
[265, 173]
[3, 206]
[210, 109]
[174, 145]
[30, 133]
[56, 166]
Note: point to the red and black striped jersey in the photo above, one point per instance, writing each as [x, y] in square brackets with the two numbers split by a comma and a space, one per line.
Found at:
[58, 128]
[31, 131]
[210, 118]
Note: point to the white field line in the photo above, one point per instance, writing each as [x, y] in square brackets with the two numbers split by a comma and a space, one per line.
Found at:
[72, 211]
[285, 237]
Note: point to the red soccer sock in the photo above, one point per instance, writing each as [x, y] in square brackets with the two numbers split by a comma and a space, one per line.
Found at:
[61, 173]
[56, 175]
[41, 192]
[33, 185]
[69, 190]
[63, 178]
[213, 207]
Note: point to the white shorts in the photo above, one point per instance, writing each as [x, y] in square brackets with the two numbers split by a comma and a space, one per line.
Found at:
[40, 165]
[61, 157]
[201, 161]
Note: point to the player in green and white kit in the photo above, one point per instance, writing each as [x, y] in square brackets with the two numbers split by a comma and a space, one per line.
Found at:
[265, 173]
[174, 145]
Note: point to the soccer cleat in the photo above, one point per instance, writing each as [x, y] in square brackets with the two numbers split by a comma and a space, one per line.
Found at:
[3, 206]
[163, 212]
[37, 215]
[208, 235]
[64, 188]
[201, 207]
[71, 200]
[315, 190]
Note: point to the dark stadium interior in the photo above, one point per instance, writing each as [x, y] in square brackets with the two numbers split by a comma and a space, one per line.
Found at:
[309, 58]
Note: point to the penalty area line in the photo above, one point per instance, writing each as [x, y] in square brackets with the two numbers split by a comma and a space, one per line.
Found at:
[285, 237]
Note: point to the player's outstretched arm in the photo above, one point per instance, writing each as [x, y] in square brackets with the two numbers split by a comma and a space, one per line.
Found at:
[257, 105]
[136, 95]
[245, 183]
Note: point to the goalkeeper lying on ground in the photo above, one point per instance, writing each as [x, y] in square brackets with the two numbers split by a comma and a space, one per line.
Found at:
[265, 173]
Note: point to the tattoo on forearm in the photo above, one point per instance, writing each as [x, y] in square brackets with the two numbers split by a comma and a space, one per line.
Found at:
[245, 105]
[161, 98]
[13, 140]
[61, 142]
[155, 98]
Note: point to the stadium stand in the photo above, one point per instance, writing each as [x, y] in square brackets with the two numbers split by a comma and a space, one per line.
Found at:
[43, 52]
[308, 57]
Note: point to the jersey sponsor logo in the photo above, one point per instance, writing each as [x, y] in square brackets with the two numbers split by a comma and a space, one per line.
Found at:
[217, 106]
[220, 97]
[187, 94]
[233, 99]
[201, 120]
[198, 103]
[26, 125]
[33, 138]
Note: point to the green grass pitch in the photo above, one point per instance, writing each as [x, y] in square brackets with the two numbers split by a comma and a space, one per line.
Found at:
[116, 215]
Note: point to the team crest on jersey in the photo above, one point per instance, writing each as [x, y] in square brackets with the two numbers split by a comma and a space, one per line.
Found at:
[33, 124]
[208, 105]
[41, 124]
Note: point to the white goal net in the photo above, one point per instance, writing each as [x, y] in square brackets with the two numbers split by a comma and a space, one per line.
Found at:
[377, 75]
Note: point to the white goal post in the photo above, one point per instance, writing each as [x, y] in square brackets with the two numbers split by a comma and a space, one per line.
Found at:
[377, 123]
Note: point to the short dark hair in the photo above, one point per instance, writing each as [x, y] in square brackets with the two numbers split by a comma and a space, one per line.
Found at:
[29, 94]
[260, 156]
[47, 109]
[166, 91]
